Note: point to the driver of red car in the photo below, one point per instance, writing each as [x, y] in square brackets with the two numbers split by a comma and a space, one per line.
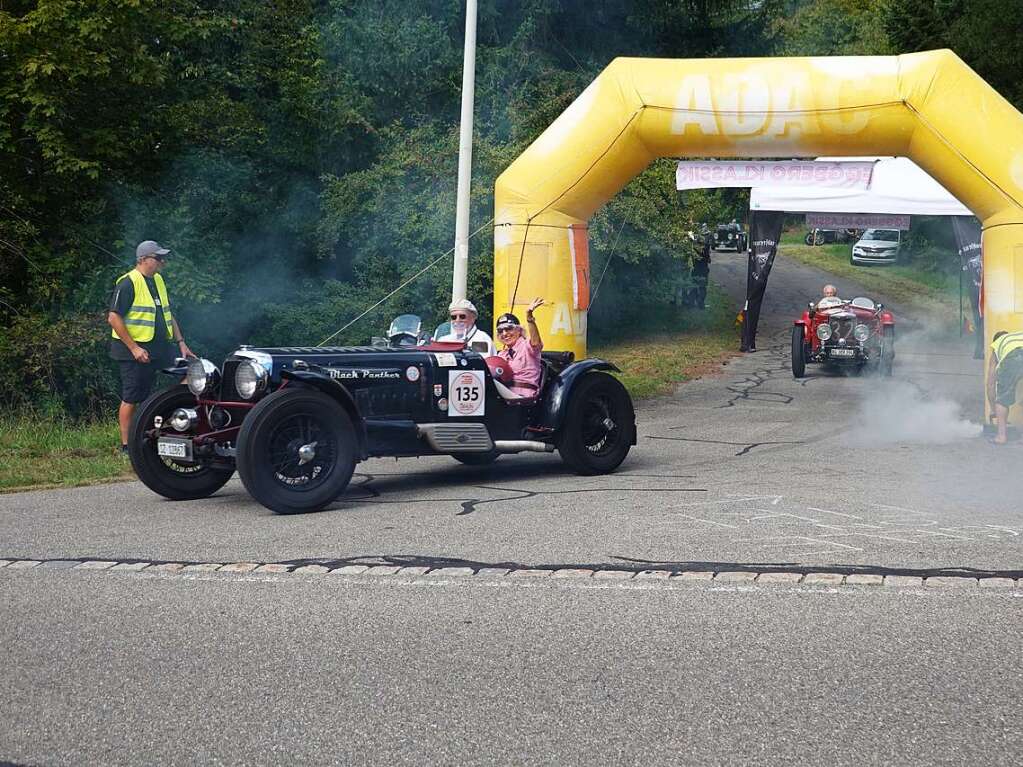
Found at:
[829, 297]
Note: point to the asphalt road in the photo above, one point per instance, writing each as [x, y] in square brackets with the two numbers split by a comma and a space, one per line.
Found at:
[750, 466]
[747, 469]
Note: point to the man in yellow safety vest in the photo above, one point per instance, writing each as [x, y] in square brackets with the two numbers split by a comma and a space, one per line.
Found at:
[1005, 370]
[143, 330]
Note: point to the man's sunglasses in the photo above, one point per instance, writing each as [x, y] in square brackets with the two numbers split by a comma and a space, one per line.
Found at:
[161, 259]
[459, 316]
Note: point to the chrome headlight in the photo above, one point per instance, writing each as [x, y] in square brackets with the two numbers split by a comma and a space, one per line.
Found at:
[824, 332]
[250, 379]
[202, 376]
[861, 333]
[183, 419]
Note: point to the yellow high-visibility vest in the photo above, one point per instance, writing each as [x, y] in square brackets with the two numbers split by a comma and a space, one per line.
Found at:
[141, 318]
[1010, 342]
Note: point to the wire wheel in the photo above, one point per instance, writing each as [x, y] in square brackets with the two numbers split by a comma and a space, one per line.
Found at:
[292, 467]
[600, 425]
[166, 476]
[296, 450]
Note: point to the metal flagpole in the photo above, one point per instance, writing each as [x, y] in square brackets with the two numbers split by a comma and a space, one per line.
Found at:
[960, 300]
[461, 266]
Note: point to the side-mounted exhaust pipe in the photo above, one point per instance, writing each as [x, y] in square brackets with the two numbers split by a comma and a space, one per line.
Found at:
[522, 446]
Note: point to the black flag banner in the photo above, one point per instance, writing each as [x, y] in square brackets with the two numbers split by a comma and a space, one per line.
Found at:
[967, 231]
[765, 232]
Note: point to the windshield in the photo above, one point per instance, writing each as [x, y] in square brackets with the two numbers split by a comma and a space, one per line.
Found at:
[862, 302]
[829, 302]
[405, 323]
[444, 329]
[882, 235]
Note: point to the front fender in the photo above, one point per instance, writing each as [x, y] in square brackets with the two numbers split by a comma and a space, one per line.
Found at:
[335, 391]
[555, 401]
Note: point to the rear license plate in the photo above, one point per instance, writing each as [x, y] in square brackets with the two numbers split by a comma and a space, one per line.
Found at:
[843, 352]
[173, 447]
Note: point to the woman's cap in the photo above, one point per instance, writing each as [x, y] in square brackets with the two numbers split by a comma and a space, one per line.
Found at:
[508, 320]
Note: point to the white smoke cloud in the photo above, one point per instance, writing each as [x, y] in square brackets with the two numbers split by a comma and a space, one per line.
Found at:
[897, 411]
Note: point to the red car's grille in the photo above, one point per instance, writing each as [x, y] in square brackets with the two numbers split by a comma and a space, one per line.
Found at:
[842, 328]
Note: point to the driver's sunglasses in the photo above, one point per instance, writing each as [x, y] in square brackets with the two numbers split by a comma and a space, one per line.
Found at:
[505, 329]
[161, 259]
[459, 316]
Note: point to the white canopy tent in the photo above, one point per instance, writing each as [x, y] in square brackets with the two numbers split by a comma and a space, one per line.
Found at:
[897, 186]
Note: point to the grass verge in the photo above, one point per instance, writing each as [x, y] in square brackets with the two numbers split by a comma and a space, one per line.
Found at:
[37, 453]
[683, 346]
[40, 453]
[935, 292]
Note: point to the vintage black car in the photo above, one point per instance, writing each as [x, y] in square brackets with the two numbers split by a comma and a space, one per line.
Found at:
[730, 237]
[294, 421]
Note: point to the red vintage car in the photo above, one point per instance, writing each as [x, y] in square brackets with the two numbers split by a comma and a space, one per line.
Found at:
[855, 334]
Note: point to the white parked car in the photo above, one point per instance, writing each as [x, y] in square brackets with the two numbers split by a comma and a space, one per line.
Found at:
[877, 246]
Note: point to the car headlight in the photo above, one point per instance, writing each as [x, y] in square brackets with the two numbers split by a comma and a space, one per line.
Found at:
[202, 376]
[861, 333]
[824, 332]
[250, 378]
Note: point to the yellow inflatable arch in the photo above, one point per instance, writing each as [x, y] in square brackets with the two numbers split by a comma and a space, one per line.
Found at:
[927, 106]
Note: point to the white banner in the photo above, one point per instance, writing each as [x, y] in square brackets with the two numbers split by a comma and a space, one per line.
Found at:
[856, 221]
[796, 173]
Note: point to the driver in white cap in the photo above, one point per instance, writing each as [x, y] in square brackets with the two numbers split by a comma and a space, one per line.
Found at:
[463, 328]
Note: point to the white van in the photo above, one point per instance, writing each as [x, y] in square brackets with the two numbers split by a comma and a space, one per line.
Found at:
[877, 246]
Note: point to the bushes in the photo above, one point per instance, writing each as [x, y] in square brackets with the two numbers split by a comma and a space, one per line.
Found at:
[57, 367]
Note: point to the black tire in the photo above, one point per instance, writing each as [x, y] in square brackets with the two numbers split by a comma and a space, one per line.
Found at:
[268, 443]
[809, 239]
[886, 361]
[476, 459]
[585, 443]
[798, 352]
[164, 476]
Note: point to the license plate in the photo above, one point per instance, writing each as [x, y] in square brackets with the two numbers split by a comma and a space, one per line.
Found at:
[170, 447]
[843, 352]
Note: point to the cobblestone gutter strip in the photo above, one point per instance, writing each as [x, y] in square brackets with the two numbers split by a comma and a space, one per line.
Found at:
[1010, 580]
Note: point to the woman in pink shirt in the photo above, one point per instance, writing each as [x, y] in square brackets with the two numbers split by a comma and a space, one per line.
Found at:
[522, 353]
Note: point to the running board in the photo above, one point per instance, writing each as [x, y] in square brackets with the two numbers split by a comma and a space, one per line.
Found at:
[457, 437]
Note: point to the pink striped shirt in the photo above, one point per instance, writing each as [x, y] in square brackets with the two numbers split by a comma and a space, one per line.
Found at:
[524, 361]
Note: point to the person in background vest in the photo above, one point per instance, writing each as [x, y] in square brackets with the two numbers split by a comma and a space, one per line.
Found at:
[143, 330]
[1005, 371]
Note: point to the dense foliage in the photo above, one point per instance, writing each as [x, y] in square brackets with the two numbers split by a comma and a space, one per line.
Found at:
[299, 156]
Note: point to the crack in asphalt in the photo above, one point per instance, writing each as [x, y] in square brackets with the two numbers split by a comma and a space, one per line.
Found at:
[749, 389]
[746, 446]
[470, 505]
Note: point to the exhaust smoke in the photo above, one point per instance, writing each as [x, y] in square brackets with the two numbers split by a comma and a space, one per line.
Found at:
[902, 412]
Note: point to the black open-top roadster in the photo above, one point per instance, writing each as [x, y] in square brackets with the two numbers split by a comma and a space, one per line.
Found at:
[294, 421]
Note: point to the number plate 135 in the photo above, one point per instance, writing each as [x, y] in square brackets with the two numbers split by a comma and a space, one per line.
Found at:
[466, 393]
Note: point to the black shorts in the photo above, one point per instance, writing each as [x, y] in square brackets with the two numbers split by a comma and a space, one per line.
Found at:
[1007, 377]
[137, 380]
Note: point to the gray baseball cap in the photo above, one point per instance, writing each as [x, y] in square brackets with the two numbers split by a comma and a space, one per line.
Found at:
[149, 248]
